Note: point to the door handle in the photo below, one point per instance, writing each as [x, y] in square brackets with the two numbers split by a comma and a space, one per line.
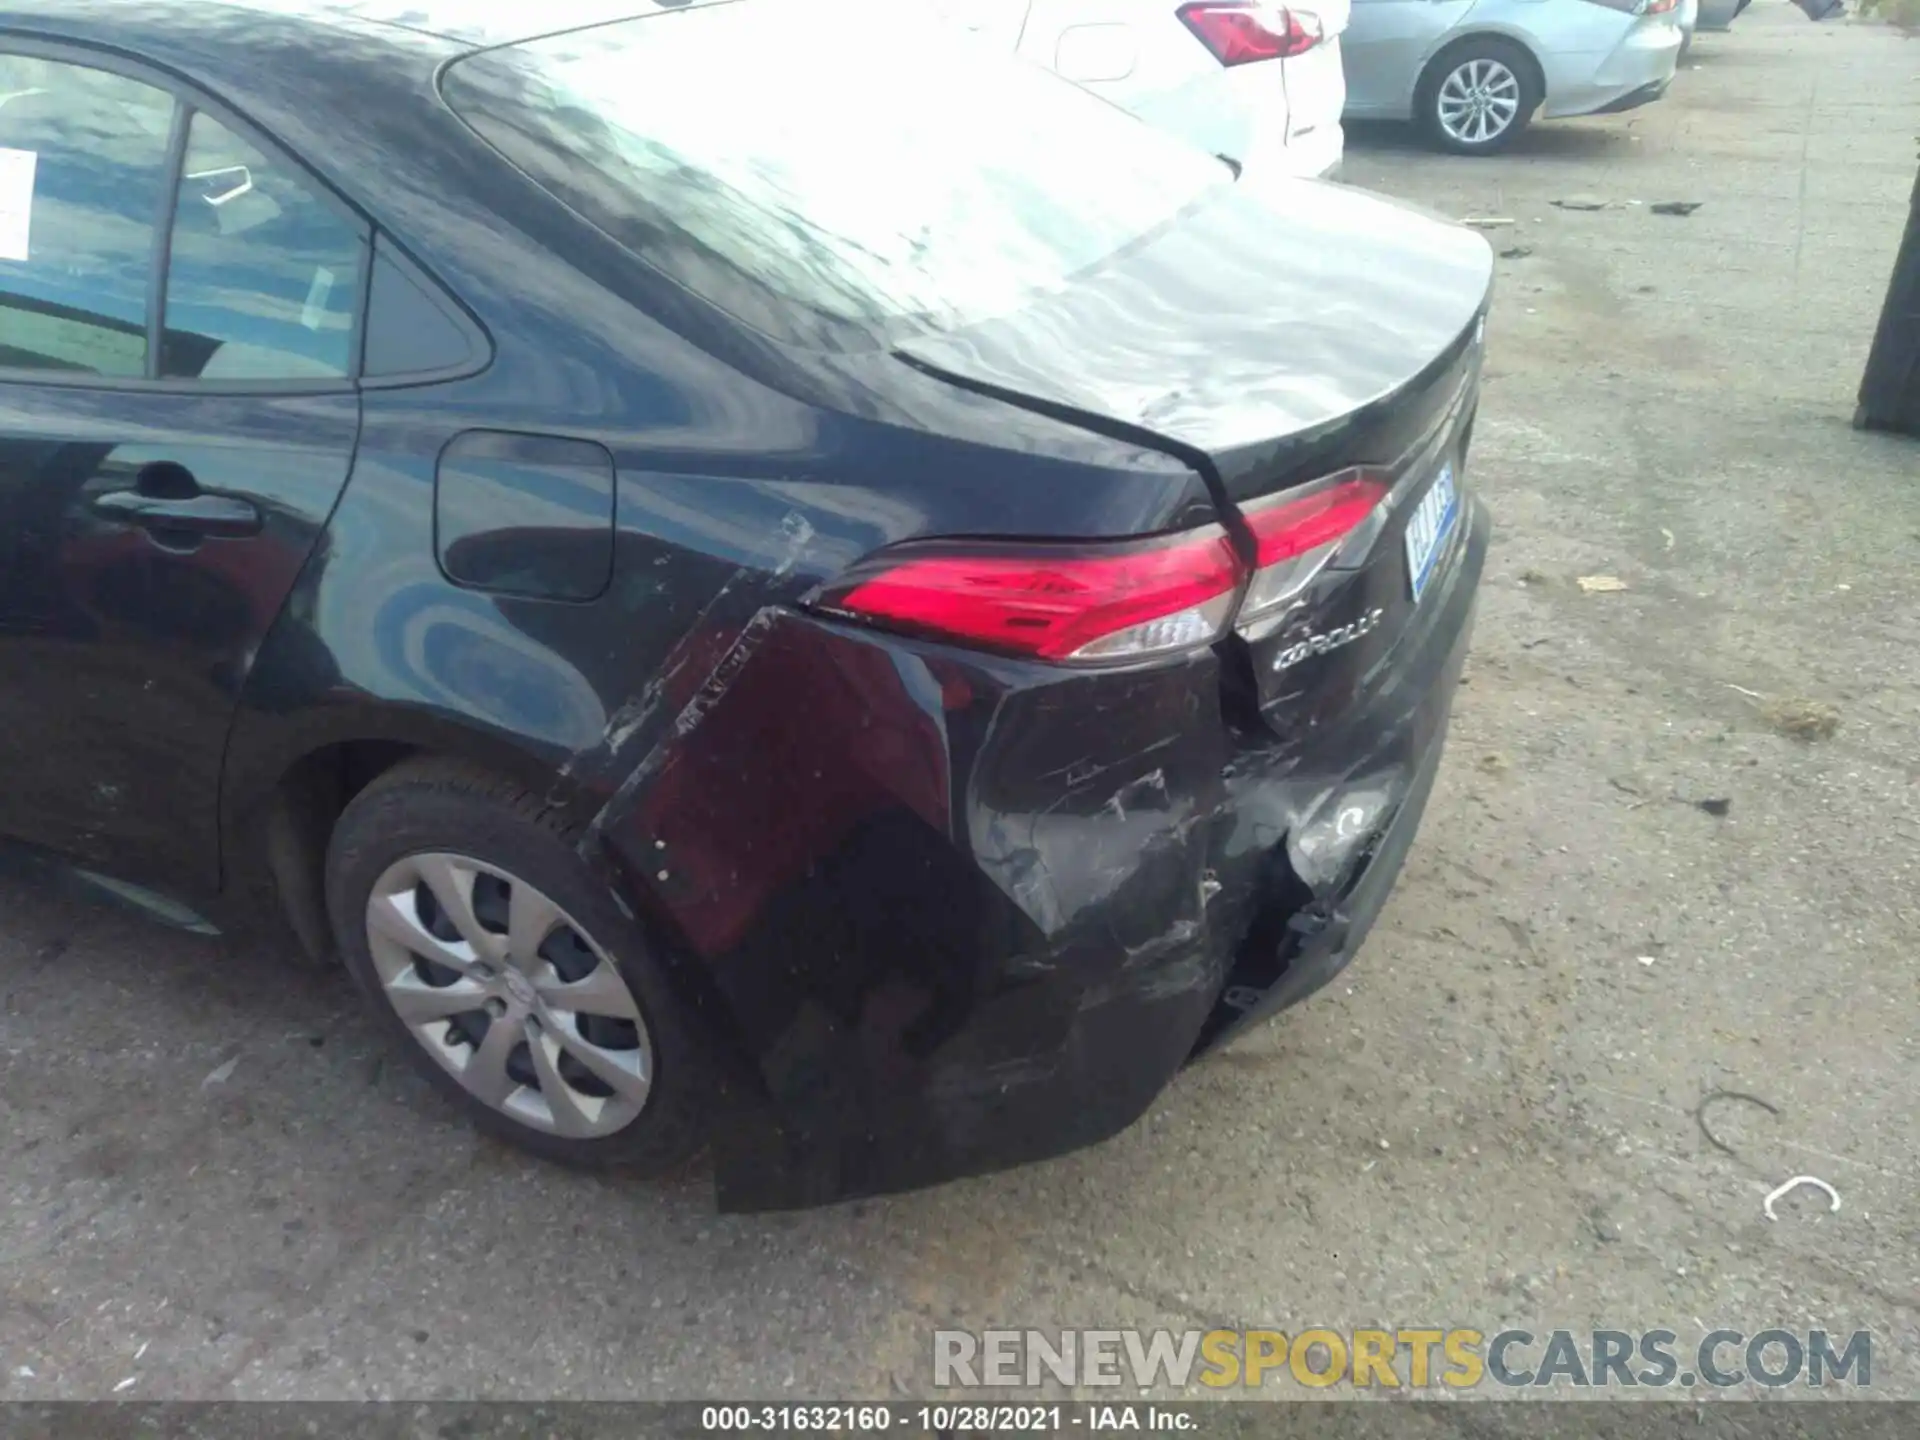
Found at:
[203, 514]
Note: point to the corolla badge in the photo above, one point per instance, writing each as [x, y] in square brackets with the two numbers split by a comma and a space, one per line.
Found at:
[1329, 639]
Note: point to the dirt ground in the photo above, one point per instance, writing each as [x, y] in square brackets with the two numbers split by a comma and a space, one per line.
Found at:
[1632, 891]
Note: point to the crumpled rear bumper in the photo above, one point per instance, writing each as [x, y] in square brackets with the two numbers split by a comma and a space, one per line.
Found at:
[954, 913]
[1333, 825]
[1310, 945]
[1636, 71]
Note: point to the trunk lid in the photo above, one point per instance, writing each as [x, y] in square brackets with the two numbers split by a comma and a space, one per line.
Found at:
[1274, 329]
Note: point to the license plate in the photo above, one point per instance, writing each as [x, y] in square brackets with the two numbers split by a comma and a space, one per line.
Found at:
[1428, 528]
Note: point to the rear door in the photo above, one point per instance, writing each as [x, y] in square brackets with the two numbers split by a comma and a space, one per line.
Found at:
[178, 414]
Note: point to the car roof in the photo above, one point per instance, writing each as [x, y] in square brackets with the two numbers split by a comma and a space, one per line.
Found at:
[466, 23]
[472, 22]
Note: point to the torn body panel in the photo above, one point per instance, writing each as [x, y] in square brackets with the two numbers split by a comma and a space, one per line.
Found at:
[965, 912]
[1346, 809]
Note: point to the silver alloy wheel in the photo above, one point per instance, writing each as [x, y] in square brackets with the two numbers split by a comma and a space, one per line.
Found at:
[510, 995]
[1478, 101]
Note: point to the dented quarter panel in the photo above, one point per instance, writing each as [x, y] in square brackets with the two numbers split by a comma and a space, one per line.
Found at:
[967, 913]
[956, 906]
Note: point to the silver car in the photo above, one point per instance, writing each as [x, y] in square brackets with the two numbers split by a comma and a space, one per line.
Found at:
[1473, 73]
[1694, 16]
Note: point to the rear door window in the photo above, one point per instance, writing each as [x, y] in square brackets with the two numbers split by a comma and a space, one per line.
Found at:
[83, 168]
[263, 272]
[263, 269]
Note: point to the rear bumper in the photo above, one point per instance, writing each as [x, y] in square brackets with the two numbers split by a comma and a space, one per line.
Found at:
[1639, 69]
[1324, 886]
[1311, 946]
[957, 913]
[1317, 155]
[1634, 99]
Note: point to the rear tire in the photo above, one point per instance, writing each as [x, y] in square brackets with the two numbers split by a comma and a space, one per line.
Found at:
[500, 965]
[1476, 97]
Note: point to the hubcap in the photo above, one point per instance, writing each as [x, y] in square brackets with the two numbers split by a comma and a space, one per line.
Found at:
[1478, 101]
[509, 995]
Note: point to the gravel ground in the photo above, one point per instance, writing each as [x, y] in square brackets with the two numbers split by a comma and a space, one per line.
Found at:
[215, 1184]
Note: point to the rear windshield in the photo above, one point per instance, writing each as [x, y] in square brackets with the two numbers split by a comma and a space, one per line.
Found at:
[851, 159]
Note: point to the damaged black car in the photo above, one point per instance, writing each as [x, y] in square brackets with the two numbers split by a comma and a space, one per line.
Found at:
[859, 613]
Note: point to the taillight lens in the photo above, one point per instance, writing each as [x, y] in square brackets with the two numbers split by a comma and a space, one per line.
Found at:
[1297, 534]
[1052, 603]
[1239, 32]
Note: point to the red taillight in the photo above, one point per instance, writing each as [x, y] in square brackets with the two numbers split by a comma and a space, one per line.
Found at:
[1659, 7]
[1052, 603]
[1103, 602]
[1297, 535]
[1239, 32]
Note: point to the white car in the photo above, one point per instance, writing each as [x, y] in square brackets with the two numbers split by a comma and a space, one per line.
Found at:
[1261, 84]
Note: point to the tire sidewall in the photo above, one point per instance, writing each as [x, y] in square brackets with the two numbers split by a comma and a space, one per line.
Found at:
[392, 822]
[1506, 53]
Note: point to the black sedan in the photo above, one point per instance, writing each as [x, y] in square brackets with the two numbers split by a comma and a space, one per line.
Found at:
[758, 576]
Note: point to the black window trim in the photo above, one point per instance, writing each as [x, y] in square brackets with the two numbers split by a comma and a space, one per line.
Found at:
[189, 100]
[163, 218]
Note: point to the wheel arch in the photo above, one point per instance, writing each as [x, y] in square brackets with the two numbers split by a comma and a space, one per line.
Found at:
[1458, 40]
[281, 795]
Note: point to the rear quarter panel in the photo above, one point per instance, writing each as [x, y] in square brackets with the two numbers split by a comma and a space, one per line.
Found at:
[1385, 44]
[1568, 37]
[1316, 94]
[745, 476]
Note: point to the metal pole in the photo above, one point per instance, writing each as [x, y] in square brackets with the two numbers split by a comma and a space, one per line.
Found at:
[1890, 388]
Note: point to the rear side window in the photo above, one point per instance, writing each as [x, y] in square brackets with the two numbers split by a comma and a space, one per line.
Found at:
[413, 329]
[845, 157]
[83, 165]
[262, 274]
